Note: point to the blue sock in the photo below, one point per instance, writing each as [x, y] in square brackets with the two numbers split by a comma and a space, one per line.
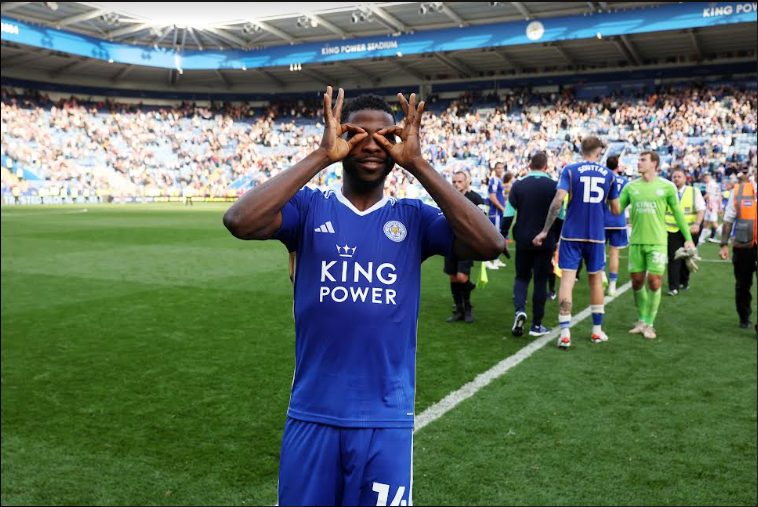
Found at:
[613, 277]
[597, 317]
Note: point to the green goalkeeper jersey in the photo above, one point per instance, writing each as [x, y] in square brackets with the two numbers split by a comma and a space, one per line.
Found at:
[649, 201]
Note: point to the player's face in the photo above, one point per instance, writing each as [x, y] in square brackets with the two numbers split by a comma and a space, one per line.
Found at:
[459, 182]
[499, 170]
[645, 165]
[368, 162]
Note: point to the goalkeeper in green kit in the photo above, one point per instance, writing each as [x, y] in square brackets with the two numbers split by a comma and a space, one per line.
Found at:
[649, 196]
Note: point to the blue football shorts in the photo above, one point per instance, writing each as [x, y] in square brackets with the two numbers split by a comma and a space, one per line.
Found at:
[331, 465]
[617, 237]
[571, 253]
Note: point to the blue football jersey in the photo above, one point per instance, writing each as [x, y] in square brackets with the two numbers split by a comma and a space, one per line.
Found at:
[357, 291]
[616, 221]
[589, 186]
[495, 186]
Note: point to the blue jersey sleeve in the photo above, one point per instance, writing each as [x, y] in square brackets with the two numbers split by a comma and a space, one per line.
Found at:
[436, 233]
[564, 183]
[613, 192]
[292, 217]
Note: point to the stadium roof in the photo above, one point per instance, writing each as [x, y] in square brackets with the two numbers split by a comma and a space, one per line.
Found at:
[261, 25]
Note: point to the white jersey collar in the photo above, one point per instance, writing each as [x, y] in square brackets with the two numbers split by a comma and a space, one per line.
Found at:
[344, 200]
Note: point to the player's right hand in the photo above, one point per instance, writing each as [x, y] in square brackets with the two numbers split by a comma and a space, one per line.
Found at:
[335, 147]
[539, 239]
[724, 253]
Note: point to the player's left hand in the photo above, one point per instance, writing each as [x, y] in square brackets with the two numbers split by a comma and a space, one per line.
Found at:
[689, 245]
[408, 151]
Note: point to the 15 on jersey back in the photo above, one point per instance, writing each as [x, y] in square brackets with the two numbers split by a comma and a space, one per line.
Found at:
[590, 186]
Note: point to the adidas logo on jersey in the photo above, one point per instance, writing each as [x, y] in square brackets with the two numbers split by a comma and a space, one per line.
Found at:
[327, 228]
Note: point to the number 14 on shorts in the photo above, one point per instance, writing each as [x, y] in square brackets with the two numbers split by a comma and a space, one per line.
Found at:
[383, 491]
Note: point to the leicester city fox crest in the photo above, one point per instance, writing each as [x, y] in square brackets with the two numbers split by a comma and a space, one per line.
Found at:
[395, 231]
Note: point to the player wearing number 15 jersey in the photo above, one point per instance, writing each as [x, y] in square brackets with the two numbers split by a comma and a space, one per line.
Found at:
[590, 188]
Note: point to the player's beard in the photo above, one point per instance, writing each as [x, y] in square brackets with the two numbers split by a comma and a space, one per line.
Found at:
[362, 185]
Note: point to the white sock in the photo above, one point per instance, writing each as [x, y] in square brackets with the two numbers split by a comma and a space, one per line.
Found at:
[612, 285]
[597, 329]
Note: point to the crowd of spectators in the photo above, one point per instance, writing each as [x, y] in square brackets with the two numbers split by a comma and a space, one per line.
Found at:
[72, 148]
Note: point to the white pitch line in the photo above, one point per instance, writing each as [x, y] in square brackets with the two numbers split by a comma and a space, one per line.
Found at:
[482, 380]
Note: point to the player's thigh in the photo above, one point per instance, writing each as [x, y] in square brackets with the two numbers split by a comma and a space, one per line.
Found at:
[451, 265]
[542, 265]
[570, 254]
[309, 468]
[594, 256]
[524, 263]
[656, 259]
[637, 259]
[388, 474]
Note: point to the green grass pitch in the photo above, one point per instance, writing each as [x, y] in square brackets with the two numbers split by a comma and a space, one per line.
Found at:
[147, 357]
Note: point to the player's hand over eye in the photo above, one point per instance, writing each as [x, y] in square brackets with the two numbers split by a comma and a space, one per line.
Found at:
[408, 151]
[335, 147]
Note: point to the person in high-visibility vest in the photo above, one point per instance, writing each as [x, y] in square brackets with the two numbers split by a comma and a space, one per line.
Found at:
[741, 211]
[693, 207]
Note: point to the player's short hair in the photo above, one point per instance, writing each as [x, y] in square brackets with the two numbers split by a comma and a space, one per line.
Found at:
[590, 144]
[366, 102]
[678, 169]
[653, 156]
[612, 162]
[538, 161]
[464, 173]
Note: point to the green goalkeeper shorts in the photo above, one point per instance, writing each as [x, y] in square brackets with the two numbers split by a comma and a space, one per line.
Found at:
[650, 258]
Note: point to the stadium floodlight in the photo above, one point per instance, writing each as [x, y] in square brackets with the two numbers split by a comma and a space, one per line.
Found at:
[362, 15]
[53, 6]
[110, 18]
[427, 7]
[250, 27]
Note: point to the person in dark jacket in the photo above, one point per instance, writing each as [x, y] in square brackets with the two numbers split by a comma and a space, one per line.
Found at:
[531, 197]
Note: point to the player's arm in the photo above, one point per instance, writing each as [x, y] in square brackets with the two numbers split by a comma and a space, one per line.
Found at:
[615, 206]
[699, 209]
[681, 222]
[552, 214]
[510, 211]
[475, 237]
[258, 213]
[494, 202]
[730, 215]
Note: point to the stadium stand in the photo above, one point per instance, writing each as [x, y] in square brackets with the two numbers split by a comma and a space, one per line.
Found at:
[76, 151]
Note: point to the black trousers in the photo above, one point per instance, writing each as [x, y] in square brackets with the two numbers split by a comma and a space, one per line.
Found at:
[744, 261]
[678, 274]
[528, 263]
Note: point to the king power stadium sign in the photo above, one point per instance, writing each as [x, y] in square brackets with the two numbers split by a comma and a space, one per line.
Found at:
[685, 15]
